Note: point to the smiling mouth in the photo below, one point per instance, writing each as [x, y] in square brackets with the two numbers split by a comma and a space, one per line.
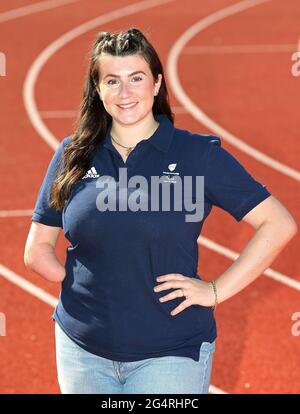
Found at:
[128, 107]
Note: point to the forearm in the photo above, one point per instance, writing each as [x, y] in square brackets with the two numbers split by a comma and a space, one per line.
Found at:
[259, 253]
[44, 261]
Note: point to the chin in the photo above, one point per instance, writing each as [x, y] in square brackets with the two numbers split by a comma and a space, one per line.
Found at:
[129, 119]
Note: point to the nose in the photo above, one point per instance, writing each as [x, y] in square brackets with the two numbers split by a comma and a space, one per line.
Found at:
[124, 90]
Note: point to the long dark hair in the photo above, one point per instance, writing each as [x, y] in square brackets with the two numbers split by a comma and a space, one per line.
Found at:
[93, 120]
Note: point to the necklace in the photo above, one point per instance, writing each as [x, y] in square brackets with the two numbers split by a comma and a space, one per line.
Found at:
[129, 149]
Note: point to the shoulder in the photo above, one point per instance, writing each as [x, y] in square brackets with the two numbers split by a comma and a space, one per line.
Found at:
[59, 152]
[195, 141]
[62, 145]
[66, 140]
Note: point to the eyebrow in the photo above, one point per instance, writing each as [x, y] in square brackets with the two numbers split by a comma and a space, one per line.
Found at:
[133, 73]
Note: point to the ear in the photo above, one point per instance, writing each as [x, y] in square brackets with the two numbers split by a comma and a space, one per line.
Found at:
[157, 84]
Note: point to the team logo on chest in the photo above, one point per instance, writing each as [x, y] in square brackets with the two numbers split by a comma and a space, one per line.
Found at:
[170, 176]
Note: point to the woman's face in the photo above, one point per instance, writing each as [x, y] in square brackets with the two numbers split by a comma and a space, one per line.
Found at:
[127, 80]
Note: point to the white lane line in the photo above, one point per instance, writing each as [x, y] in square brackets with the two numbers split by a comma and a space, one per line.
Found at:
[229, 49]
[71, 114]
[194, 110]
[215, 390]
[230, 254]
[27, 286]
[15, 213]
[33, 8]
[52, 48]
[179, 110]
[58, 114]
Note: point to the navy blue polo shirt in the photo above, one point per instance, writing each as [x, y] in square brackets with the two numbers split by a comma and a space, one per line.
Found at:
[107, 304]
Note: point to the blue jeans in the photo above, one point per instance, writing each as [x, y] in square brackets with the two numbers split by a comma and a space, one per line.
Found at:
[81, 372]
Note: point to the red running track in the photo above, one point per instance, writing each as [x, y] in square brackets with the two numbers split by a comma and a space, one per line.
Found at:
[250, 92]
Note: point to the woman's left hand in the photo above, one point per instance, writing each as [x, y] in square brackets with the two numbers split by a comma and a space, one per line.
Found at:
[196, 292]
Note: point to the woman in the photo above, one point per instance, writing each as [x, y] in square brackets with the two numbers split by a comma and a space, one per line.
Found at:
[133, 315]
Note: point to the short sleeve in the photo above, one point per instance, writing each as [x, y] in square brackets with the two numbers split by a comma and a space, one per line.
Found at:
[42, 212]
[228, 184]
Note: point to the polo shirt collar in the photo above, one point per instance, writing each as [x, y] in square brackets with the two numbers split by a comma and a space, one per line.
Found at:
[161, 138]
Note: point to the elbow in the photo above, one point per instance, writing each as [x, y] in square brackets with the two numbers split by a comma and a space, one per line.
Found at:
[284, 227]
[27, 258]
[290, 227]
[31, 255]
[40, 258]
[294, 228]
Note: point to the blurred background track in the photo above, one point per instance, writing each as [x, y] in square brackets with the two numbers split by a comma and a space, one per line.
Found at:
[234, 73]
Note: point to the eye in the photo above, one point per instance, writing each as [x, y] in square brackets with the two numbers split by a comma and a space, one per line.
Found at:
[137, 77]
[111, 80]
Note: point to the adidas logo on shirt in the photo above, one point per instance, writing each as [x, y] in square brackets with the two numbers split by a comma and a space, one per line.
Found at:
[92, 173]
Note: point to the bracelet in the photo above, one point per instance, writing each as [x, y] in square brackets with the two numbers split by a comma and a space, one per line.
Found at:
[213, 283]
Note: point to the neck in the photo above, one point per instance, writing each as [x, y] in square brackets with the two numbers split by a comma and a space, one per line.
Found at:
[130, 135]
